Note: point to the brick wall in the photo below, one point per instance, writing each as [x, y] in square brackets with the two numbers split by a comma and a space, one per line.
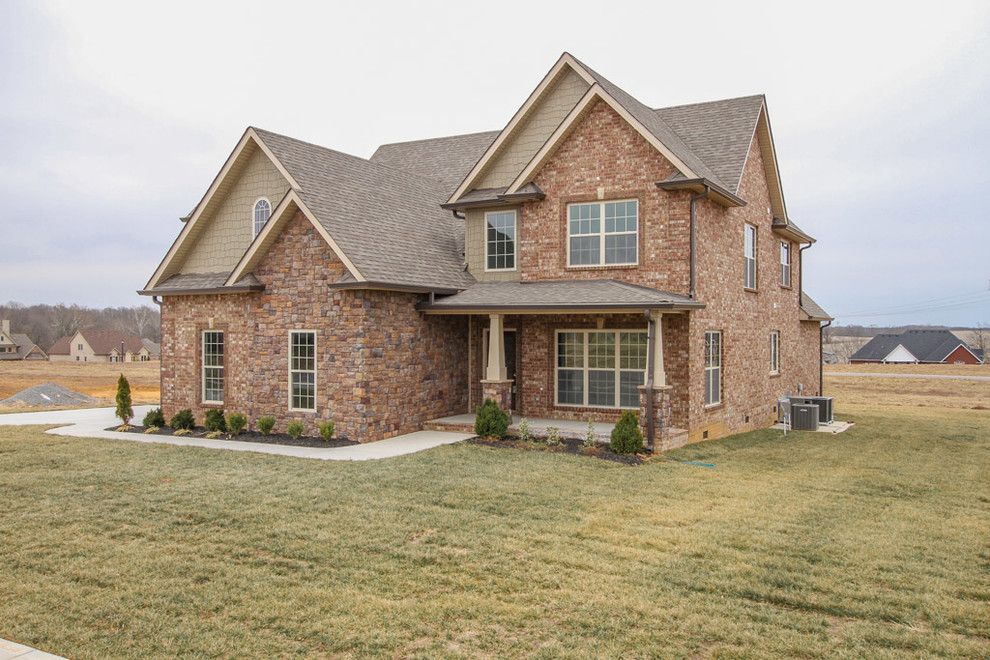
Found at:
[382, 367]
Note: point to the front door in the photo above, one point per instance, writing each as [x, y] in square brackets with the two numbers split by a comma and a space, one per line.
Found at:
[510, 363]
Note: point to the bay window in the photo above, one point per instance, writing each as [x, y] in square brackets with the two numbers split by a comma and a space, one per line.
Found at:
[600, 368]
[603, 233]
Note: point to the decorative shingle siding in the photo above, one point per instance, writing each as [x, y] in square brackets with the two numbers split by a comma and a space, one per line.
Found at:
[530, 135]
[230, 229]
[382, 367]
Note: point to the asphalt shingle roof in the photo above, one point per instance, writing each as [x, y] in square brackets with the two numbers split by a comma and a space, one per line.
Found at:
[813, 309]
[23, 344]
[561, 294]
[183, 282]
[446, 159]
[924, 345]
[101, 341]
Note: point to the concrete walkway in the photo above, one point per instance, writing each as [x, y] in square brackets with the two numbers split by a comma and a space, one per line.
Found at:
[867, 374]
[10, 650]
[91, 422]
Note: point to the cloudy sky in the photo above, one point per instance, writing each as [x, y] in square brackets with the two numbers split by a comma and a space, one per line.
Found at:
[116, 116]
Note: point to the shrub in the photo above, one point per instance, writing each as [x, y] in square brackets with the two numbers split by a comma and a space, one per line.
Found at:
[124, 409]
[236, 423]
[590, 437]
[626, 436]
[155, 417]
[491, 420]
[295, 429]
[524, 433]
[553, 436]
[214, 421]
[152, 429]
[182, 432]
[183, 420]
[266, 424]
[213, 435]
[326, 430]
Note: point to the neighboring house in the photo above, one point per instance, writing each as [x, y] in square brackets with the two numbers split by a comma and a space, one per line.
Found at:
[17, 346]
[95, 345]
[913, 346]
[619, 257]
[154, 350]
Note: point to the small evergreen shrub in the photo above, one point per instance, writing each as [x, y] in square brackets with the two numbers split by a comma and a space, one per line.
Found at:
[294, 429]
[590, 437]
[626, 436]
[155, 417]
[214, 421]
[124, 409]
[326, 430]
[524, 433]
[491, 420]
[553, 436]
[266, 424]
[236, 423]
[183, 420]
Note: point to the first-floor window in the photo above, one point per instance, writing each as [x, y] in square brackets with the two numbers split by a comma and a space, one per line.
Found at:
[213, 366]
[713, 367]
[600, 368]
[775, 352]
[302, 370]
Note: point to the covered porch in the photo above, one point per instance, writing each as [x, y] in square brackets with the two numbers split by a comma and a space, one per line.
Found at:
[563, 353]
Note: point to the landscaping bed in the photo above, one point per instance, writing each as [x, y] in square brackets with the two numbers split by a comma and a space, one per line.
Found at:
[566, 446]
[248, 436]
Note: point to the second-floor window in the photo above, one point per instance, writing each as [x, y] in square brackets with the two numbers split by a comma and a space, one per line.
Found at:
[603, 233]
[500, 240]
[262, 211]
[749, 257]
[785, 263]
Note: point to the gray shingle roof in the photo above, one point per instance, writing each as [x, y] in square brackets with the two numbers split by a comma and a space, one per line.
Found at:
[813, 309]
[200, 282]
[446, 159]
[23, 344]
[388, 222]
[925, 345]
[575, 294]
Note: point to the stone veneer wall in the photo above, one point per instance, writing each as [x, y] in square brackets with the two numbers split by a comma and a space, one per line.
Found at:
[383, 368]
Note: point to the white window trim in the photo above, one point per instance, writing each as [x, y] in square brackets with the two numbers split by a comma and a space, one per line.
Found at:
[271, 210]
[289, 370]
[785, 266]
[202, 365]
[756, 258]
[602, 234]
[775, 352]
[586, 370]
[515, 242]
[718, 401]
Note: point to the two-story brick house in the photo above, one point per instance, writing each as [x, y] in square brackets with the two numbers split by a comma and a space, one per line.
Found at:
[618, 256]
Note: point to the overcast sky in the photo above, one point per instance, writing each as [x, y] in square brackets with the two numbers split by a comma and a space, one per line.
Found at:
[116, 116]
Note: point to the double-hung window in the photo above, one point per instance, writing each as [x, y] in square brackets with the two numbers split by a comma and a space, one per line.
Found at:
[785, 263]
[213, 367]
[749, 256]
[600, 368]
[500, 240]
[603, 233]
[302, 370]
[713, 367]
[775, 352]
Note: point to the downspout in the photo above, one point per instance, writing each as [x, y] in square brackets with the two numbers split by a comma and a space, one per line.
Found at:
[650, 358]
[694, 239]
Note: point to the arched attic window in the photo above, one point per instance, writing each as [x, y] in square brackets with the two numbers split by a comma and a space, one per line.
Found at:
[262, 211]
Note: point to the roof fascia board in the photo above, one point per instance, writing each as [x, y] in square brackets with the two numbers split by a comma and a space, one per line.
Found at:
[278, 218]
[250, 135]
[698, 185]
[521, 113]
[765, 117]
[579, 308]
[595, 91]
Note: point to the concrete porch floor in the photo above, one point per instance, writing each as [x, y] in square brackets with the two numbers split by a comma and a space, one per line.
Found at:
[569, 428]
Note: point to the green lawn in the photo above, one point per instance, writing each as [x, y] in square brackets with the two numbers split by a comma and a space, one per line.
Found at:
[871, 543]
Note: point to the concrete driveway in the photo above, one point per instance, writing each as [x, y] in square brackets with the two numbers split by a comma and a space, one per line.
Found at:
[91, 422]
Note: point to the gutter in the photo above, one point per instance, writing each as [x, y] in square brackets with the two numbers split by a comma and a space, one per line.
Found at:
[706, 185]
[694, 237]
[201, 292]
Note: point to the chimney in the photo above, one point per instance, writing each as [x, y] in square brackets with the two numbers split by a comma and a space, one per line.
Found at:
[5, 326]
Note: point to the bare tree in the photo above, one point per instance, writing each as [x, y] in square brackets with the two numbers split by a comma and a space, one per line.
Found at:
[981, 337]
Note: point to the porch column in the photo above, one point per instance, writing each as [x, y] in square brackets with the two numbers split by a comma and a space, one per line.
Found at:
[659, 374]
[496, 386]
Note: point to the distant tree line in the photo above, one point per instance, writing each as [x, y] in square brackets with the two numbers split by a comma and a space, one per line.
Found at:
[45, 324]
[874, 330]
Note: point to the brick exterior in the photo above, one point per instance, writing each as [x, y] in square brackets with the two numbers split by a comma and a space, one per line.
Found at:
[961, 356]
[383, 368]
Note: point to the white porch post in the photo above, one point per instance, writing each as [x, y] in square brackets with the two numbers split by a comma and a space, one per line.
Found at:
[496, 349]
[659, 374]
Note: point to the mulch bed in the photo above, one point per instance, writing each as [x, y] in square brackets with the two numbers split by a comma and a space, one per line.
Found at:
[566, 446]
[253, 436]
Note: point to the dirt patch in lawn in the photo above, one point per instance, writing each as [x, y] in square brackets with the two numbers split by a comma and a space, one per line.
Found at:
[248, 436]
[566, 446]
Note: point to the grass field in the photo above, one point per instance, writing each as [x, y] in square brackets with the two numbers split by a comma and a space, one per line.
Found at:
[97, 379]
[936, 369]
[870, 543]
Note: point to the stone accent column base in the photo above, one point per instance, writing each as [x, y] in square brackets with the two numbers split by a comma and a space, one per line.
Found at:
[499, 391]
[661, 415]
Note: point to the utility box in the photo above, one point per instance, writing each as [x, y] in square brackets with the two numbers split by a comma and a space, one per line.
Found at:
[804, 416]
[824, 404]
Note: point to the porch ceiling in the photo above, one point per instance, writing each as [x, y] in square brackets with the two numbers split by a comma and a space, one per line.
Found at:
[559, 296]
